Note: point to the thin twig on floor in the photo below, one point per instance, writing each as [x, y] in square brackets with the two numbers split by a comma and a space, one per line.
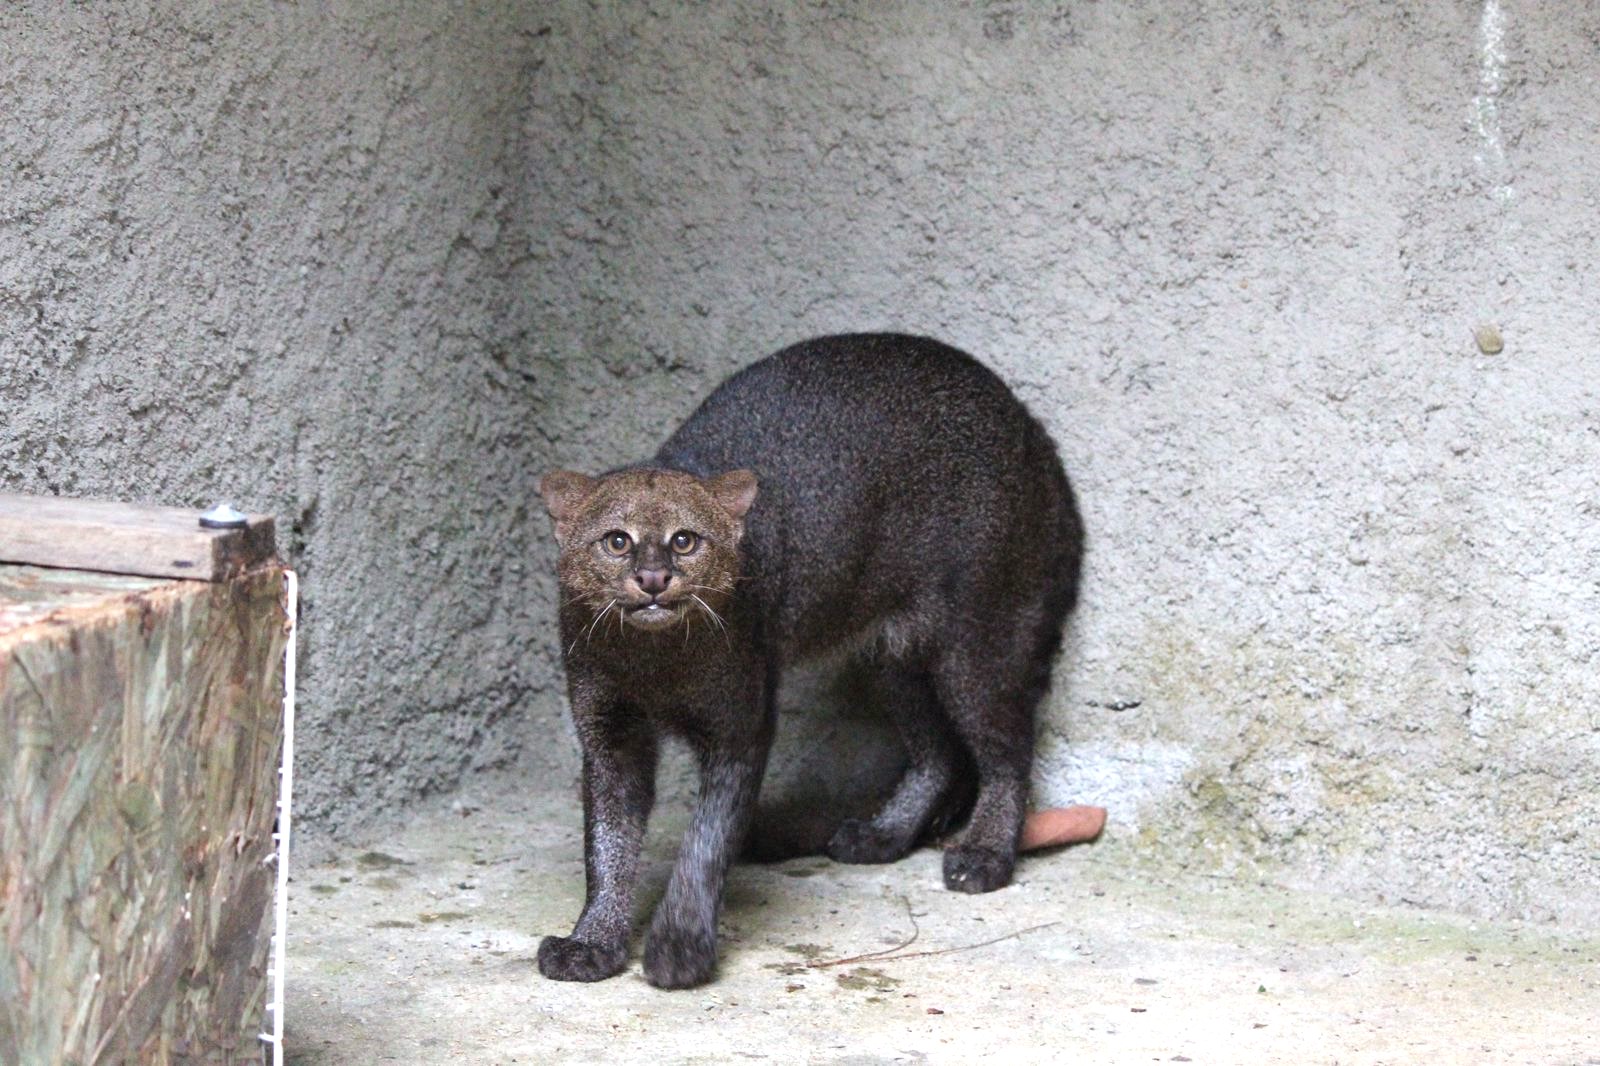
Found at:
[916, 931]
[897, 952]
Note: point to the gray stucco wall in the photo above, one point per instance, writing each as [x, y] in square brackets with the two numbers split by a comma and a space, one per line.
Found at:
[296, 256]
[376, 271]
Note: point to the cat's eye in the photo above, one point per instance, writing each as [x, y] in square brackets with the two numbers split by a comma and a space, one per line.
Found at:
[684, 542]
[616, 542]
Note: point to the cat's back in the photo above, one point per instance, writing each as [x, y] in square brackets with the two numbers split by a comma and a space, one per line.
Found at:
[870, 404]
[887, 465]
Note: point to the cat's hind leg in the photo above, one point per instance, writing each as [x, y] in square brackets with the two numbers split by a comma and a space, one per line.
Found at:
[990, 695]
[930, 793]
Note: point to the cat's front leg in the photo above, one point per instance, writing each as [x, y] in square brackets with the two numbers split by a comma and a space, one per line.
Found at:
[619, 765]
[681, 949]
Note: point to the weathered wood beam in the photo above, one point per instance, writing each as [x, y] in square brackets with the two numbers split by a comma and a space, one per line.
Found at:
[127, 538]
[140, 728]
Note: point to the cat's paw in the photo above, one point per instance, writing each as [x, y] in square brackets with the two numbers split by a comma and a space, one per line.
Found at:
[860, 841]
[677, 959]
[974, 869]
[562, 958]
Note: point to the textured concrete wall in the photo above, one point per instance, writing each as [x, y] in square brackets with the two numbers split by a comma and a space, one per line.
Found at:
[1341, 609]
[296, 256]
[373, 271]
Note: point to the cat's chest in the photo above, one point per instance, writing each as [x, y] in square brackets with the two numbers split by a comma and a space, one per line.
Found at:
[664, 674]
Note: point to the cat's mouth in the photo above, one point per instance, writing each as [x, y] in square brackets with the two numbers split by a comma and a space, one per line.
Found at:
[653, 614]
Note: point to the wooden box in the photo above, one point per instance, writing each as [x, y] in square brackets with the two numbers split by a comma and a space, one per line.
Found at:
[140, 728]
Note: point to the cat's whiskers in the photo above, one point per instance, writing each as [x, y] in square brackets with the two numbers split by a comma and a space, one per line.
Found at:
[600, 620]
[714, 616]
[588, 633]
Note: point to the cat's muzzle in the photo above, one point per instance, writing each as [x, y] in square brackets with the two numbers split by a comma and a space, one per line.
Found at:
[653, 614]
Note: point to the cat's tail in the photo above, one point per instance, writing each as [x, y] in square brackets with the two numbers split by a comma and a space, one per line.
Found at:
[830, 771]
[788, 831]
[810, 802]
[793, 829]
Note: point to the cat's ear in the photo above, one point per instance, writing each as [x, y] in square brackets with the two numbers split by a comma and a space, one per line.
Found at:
[564, 492]
[735, 491]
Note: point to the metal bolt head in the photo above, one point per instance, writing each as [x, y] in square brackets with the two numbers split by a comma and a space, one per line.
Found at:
[222, 516]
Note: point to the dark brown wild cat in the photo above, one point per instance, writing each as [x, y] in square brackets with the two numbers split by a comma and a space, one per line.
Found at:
[878, 494]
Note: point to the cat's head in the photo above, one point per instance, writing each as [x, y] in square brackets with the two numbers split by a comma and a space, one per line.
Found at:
[657, 546]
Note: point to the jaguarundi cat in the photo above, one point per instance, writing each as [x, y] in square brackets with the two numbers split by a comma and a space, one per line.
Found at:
[874, 495]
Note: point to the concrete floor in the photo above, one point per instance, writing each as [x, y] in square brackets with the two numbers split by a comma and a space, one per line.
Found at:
[419, 948]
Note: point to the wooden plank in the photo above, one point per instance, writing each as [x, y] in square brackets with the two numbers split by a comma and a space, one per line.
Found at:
[137, 797]
[128, 538]
[30, 594]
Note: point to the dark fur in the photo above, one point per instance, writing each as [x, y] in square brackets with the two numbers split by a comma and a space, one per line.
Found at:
[907, 508]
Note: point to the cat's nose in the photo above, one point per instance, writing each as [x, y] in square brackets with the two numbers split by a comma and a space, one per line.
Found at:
[653, 581]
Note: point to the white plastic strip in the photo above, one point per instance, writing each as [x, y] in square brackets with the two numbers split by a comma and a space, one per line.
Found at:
[1491, 84]
[280, 928]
